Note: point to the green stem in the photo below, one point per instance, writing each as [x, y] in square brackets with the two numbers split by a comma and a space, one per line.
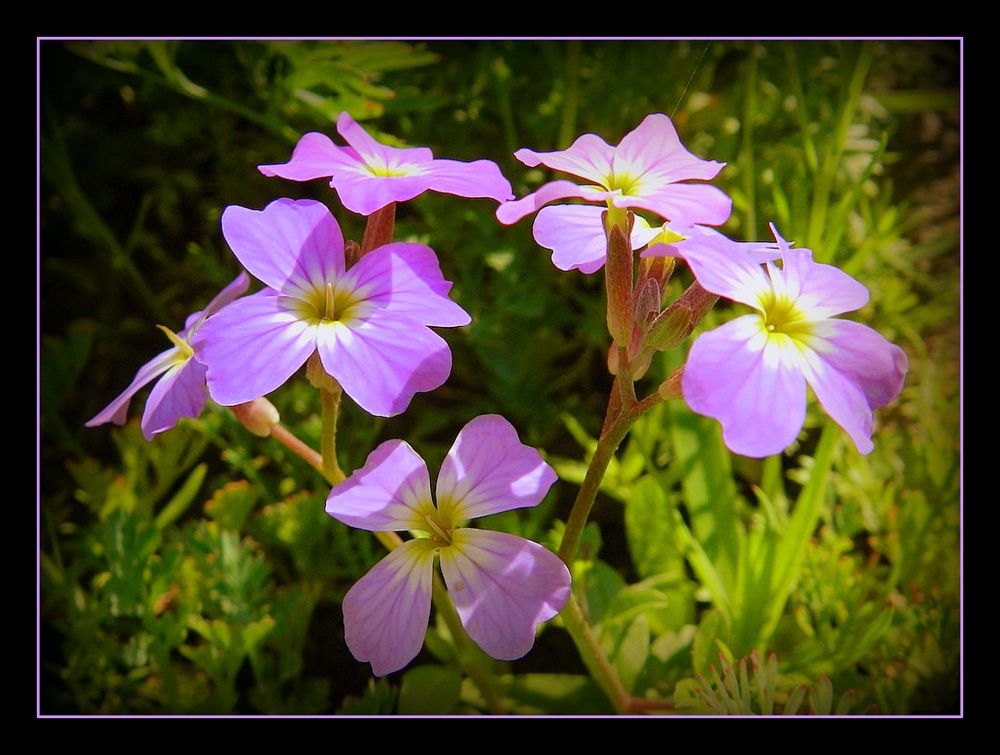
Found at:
[607, 444]
[594, 657]
[328, 440]
[472, 660]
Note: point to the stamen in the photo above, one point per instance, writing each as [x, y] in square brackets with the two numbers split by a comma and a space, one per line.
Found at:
[331, 306]
[442, 535]
[179, 342]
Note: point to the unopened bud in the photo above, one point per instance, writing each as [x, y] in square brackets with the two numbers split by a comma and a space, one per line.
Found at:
[670, 388]
[618, 280]
[647, 301]
[679, 320]
[668, 329]
[257, 416]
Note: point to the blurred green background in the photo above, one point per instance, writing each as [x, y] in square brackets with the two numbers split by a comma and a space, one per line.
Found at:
[198, 573]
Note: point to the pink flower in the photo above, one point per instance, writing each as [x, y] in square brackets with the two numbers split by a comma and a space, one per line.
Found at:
[502, 586]
[369, 324]
[643, 172]
[368, 175]
[751, 373]
[180, 392]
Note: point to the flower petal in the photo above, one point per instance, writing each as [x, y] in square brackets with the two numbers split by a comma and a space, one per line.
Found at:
[479, 178]
[406, 280]
[315, 156]
[117, 411]
[364, 192]
[376, 155]
[252, 346]
[854, 370]
[653, 149]
[510, 212]
[724, 267]
[818, 290]
[589, 157]
[179, 393]
[692, 203]
[387, 610]
[489, 470]
[575, 234]
[293, 246]
[230, 293]
[383, 360]
[751, 382]
[503, 587]
[391, 492]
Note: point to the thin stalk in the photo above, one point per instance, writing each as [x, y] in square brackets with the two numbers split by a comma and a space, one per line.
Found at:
[607, 444]
[593, 656]
[281, 434]
[328, 440]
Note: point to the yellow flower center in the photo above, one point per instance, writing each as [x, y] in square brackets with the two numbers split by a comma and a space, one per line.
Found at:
[782, 316]
[439, 533]
[331, 304]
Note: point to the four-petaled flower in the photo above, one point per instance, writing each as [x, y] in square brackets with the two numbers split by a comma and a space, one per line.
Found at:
[180, 392]
[643, 172]
[368, 175]
[751, 373]
[502, 586]
[368, 322]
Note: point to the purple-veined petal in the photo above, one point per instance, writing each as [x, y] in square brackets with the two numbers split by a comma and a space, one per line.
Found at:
[759, 251]
[117, 411]
[503, 587]
[363, 192]
[391, 492]
[589, 157]
[510, 212]
[819, 291]
[252, 346]
[654, 149]
[406, 280]
[387, 610]
[724, 268]
[315, 156]
[479, 178]
[575, 234]
[292, 246]
[853, 370]
[230, 293]
[376, 155]
[179, 393]
[702, 204]
[751, 382]
[489, 470]
[381, 361]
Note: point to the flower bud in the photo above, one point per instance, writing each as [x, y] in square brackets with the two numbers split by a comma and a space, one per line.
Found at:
[679, 320]
[670, 388]
[257, 416]
[618, 279]
[647, 302]
[668, 328]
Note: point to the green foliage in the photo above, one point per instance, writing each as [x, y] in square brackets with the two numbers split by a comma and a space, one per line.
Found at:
[199, 574]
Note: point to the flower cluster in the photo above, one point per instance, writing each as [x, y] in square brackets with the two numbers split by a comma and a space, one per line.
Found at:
[363, 317]
[751, 373]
